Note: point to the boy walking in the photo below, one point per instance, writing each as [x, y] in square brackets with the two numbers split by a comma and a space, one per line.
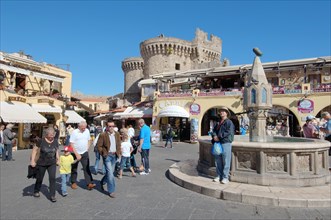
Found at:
[65, 169]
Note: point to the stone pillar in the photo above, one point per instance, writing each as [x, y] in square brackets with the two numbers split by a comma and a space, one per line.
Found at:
[293, 170]
[315, 162]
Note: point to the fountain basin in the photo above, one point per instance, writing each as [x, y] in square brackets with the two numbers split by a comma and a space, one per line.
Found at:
[281, 161]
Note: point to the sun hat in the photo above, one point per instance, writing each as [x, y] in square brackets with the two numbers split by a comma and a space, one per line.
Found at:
[225, 109]
[310, 117]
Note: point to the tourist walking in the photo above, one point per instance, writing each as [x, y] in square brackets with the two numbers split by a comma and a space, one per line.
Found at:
[48, 149]
[97, 158]
[126, 149]
[66, 160]
[57, 132]
[309, 130]
[327, 126]
[80, 141]
[109, 147]
[223, 133]
[144, 145]
[69, 131]
[8, 137]
[131, 131]
[169, 136]
[2, 127]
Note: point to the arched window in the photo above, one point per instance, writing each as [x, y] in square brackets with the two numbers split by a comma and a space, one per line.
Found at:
[264, 95]
[253, 96]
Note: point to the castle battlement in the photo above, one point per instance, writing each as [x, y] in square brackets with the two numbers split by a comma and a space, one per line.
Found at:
[132, 63]
[165, 54]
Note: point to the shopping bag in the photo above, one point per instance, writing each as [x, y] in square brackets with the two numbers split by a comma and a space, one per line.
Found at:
[217, 149]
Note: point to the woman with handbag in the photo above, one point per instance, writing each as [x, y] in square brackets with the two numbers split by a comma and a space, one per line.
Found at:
[223, 133]
[48, 159]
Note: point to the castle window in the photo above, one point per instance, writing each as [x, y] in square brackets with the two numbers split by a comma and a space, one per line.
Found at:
[177, 66]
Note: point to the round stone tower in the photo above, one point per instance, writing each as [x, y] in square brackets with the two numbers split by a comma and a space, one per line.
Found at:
[133, 70]
[165, 54]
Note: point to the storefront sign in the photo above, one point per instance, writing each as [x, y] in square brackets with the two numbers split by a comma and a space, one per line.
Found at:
[18, 99]
[163, 104]
[195, 109]
[306, 106]
[46, 101]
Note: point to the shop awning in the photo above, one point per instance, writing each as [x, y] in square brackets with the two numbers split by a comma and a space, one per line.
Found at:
[173, 111]
[73, 117]
[31, 73]
[134, 112]
[46, 108]
[18, 112]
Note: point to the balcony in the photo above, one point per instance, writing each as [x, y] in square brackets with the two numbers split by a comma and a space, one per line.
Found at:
[293, 89]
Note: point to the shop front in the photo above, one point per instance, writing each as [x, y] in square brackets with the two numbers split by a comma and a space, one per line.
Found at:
[177, 117]
[24, 118]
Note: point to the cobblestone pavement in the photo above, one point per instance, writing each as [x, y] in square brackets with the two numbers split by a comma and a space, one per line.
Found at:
[144, 197]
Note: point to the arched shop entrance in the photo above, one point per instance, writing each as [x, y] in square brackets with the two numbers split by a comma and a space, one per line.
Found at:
[281, 122]
[211, 117]
[177, 117]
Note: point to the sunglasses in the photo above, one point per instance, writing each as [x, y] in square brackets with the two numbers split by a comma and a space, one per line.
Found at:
[111, 126]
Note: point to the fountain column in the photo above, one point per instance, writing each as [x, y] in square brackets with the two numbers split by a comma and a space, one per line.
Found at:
[257, 99]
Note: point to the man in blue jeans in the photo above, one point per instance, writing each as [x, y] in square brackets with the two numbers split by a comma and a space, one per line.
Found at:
[109, 146]
[224, 133]
[144, 145]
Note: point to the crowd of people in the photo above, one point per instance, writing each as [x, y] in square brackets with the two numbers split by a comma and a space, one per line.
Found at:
[116, 148]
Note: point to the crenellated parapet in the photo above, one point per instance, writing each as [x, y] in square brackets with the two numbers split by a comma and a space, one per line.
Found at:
[132, 63]
[166, 46]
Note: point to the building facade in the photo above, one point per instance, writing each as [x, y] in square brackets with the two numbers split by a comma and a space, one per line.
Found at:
[33, 96]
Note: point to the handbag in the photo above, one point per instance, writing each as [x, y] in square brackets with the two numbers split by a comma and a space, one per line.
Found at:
[217, 149]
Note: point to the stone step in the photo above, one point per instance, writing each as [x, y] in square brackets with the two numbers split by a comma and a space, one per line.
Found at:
[185, 174]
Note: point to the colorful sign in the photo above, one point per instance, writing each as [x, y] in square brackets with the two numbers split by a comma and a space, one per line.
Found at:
[195, 109]
[194, 130]
[306, 106]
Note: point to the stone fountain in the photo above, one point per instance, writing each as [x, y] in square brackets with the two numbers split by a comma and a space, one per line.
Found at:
[264, 160]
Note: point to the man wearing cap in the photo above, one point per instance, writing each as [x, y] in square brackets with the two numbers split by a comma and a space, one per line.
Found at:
[223, 133]
[309, 130]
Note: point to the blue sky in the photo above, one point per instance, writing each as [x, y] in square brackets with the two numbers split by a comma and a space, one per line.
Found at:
[94, 37]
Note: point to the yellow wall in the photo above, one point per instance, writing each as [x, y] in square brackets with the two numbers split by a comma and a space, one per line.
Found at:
[234, 103]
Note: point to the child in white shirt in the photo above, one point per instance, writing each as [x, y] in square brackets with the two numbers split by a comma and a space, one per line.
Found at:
[126, 149]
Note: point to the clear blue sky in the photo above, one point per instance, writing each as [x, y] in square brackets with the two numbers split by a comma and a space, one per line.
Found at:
[94, 37]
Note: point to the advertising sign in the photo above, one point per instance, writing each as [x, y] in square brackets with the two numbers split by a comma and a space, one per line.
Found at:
[195, 109]
[306, 106]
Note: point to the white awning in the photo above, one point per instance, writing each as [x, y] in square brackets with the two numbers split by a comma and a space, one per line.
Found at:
[146, 81]
[18, 112]
[134, 112]
[46, 108]
[31, 73]
[73, 117]
[14, 69]
[173, 111]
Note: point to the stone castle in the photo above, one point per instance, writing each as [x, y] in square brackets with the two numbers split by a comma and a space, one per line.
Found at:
[167, 54]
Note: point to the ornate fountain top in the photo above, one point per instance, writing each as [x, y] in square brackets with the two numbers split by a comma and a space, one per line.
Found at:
[257, 52]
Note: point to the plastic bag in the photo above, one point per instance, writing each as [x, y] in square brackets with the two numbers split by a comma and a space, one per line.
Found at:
[217, 149]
